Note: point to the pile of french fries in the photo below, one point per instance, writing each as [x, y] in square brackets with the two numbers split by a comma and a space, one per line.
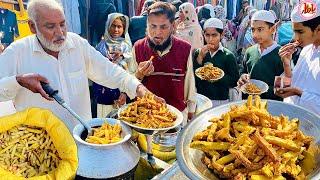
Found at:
[252, 88]
[148, 113]
[249, 143]
[106, 134]
[27, 151]
[209, 72]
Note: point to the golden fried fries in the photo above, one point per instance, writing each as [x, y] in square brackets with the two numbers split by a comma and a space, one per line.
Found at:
[148, 113]
[252, 88]
[27, 151]
[106, 134]
[209, 72]
[249, 143]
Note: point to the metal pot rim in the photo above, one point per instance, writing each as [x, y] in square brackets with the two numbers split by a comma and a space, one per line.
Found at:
[126, 132]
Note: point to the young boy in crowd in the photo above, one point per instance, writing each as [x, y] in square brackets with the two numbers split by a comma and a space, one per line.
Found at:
[305, 77]
[262, 61]
[213, 52]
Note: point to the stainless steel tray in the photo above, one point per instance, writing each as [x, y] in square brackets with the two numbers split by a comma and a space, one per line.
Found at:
[189, 159]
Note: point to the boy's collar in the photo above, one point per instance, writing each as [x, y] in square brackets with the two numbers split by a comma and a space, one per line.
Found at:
[268, 49]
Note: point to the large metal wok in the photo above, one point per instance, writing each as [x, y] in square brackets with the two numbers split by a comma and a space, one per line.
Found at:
[190, 159]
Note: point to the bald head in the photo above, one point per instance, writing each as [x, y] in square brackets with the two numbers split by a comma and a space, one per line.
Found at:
[37, 7]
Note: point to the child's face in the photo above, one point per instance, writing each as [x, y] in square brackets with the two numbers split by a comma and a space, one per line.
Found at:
[304, 35]
[116, 29]
[212, 36]
[261, 32]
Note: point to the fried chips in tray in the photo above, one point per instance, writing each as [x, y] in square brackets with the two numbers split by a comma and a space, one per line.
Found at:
[249, 143]
[146, 112]
[209, 73]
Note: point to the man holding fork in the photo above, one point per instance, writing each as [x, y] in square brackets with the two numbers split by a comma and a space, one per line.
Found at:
[305, 76]
[163, 62]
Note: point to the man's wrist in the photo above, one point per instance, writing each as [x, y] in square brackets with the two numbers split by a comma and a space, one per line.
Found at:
[139, 75]
[141, 90]
[298, 92]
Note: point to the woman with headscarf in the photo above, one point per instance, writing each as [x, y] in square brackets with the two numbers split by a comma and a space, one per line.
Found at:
[189, 28]
[245, 36]
[228, 39]
[117, 47]
[205, 12]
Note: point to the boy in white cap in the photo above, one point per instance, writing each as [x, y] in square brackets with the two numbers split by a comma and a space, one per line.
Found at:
[305, 77]
[261, 61]
[213, 52]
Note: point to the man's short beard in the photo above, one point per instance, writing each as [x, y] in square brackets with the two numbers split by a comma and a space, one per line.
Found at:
[163, 46]
[50, 45]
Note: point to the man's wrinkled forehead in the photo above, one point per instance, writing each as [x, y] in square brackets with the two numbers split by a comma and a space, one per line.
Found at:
[47, 15]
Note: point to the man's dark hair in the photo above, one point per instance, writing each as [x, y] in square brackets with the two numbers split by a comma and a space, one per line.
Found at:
[162, 8]
[270, 24]
[312, 23]
[177, 4]
[220, 31]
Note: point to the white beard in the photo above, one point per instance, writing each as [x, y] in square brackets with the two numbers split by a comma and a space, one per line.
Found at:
[50, 45]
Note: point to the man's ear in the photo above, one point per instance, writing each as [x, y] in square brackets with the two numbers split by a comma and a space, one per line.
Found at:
[273, 28]
[317, 31]
[32, 27]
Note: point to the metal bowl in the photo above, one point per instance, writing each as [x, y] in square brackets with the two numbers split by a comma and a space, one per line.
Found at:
[260, 84]
[190, 159]
[94, 159]
[151, 131]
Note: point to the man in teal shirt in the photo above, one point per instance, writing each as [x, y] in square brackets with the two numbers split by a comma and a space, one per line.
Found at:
[220, 57]
[262, 61]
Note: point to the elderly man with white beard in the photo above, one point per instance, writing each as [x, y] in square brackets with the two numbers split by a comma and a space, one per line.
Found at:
[64, 60]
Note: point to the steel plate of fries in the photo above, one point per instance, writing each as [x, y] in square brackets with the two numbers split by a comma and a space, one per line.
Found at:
[147, 115]
[254, 139]
[254, 87]
[209, 73]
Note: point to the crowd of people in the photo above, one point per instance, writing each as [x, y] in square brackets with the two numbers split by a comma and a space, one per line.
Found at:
[159, 51]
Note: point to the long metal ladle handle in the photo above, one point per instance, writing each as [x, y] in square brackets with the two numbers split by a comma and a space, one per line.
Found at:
[54, 94]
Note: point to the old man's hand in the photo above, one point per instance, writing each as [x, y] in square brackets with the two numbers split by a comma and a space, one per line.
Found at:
[32, 82]
[145, 68]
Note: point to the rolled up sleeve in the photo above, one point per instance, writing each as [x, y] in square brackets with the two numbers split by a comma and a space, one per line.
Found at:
[9, 86]
[108, 74]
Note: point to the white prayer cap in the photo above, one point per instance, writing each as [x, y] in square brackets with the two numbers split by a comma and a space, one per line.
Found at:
[263, 15]
[299, 15]
[213, 23]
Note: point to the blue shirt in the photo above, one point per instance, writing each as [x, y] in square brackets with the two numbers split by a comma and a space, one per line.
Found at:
[8, 25]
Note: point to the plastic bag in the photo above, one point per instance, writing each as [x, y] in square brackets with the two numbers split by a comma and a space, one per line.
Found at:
[60, 136]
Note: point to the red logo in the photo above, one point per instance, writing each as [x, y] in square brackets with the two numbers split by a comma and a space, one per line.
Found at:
[308, 9]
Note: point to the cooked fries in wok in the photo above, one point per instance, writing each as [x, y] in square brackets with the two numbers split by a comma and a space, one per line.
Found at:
[209, 72]
[27, 151]
[106, 134]
[249, 143]
[148, 113]
[252, 88]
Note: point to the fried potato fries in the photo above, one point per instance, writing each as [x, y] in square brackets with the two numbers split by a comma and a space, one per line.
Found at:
[106, 134]
[209, 72]
[148, 113]
[27, 151]
[249, 143]
[252, 88]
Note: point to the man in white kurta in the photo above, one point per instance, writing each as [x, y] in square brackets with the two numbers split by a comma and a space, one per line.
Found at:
[67, 71]
[305, 76]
